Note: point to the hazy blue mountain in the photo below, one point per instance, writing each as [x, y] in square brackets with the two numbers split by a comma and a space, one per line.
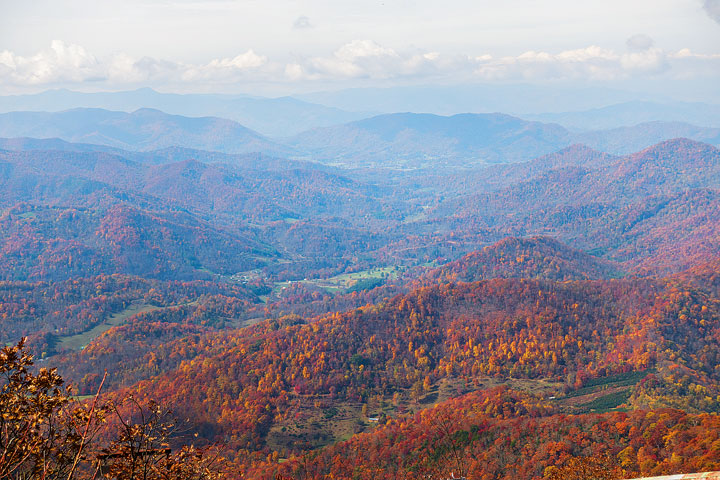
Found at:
[667, 168]
[21, 144]
[633, 113]
[270, 116]
[144, 129]
[478, 98]
[499, 176]
[401, 140]
[423, 140]
[252, 187]
[624, 140]
[411, 140]
[255, 161]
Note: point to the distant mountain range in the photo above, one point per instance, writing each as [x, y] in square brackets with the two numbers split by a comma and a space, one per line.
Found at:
[586, 108]
[144, 129]
[252, 160]
[412, 140]
[633, 113]
[576, 109]
[271, 116]
[478, 98]
[626, 140]
[425, 140]
[400, 140]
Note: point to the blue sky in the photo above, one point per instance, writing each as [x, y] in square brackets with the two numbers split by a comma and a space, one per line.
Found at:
[287, 46]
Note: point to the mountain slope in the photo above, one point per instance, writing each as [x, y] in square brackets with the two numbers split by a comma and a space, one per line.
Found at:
[423, 139]
[501, 434]
[41, 243]
[250, 187]
[566, 333]
[499, 176]
[661, 199]
[143, 129]
[271, 116]
[301, 211]
[536, 257]
[633, 113]
[625, 140]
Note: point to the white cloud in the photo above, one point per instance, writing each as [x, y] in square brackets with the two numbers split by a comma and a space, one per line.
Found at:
[687, 53]
[61, 62]
[368, 59]
[294, 71]
[590, 63]
[226, 69]
[359, 60]
[652, 61]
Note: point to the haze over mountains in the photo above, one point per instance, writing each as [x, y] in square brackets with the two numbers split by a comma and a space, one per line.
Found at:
[581, 107]
[401, 140]
[422, 140]
[633, 113]
[143, 129]
[575, 109]
[272, 116]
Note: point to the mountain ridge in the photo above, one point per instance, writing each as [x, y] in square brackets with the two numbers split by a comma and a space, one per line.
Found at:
[271, 116]
[143, 129]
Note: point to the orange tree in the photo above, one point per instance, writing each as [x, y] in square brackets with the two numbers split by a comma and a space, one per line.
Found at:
[46, 434]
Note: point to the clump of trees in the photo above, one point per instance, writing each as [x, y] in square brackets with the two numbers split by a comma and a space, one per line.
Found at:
[585, 468]
[47, 433]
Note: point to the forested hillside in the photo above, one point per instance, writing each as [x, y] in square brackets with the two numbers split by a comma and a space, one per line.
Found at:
[650, 340]
[314, 321]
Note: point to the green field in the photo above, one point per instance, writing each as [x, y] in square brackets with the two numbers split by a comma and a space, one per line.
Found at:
[604, 394]
[79, 341]
[361, 280]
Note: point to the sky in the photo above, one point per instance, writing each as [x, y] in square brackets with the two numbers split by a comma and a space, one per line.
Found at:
[290, 46]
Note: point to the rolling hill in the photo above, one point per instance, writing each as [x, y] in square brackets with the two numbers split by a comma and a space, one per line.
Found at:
[271, 384]
[262, 200]
[664, 195]
[470, 140]
[402, 140]
[416, 140]
[270, 116]
[46, 243]
[633, 113]
[144, 129]
[535, 257]
[625, 140]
